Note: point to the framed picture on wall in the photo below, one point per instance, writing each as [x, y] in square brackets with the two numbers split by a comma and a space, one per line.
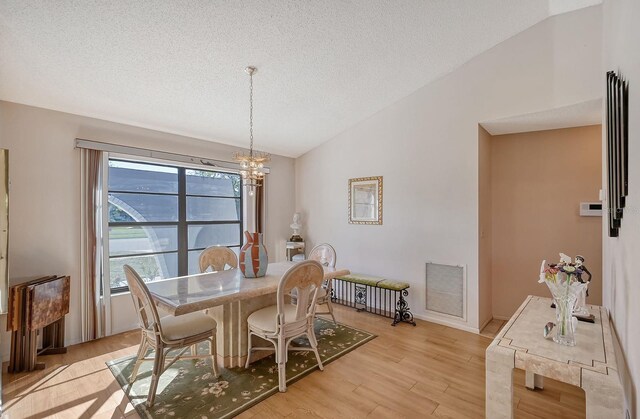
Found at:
[365, 200]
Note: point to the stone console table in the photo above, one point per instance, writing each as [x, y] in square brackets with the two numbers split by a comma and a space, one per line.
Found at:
[591, 364]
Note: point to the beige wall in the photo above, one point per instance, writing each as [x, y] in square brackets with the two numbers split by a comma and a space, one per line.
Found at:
[538, 180]
[485, 293]
[44, 195]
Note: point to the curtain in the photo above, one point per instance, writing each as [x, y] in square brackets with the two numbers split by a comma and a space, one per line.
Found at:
[91, 166]
[259, 210]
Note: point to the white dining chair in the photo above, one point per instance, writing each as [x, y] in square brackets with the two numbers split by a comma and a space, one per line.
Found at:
[283, 322]
[167, 333]
[325, 254]
[217, 258]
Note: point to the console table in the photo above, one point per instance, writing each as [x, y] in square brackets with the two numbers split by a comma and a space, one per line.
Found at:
[591, 364]
[293, 249]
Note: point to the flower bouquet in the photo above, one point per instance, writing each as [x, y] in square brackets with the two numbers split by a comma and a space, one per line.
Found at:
[563, 280]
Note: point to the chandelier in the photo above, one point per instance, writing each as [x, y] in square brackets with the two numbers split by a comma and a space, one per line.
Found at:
[252, 164]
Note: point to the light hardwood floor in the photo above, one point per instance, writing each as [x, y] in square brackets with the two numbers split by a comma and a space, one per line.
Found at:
[415, 372]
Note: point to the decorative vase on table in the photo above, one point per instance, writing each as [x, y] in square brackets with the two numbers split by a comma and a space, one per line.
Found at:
[561, 279]
[253, 256]
[565, 294]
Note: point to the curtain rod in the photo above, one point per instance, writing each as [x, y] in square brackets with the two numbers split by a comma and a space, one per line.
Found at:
[162, 155]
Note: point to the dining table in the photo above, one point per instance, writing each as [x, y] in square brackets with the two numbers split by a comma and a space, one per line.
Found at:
[229, 298]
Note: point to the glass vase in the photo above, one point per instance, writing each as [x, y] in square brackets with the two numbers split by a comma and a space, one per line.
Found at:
[565, 294]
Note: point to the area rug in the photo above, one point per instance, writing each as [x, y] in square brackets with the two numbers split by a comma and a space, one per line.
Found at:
[189, 390]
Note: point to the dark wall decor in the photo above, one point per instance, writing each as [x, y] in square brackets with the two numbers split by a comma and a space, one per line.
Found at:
[617, 149]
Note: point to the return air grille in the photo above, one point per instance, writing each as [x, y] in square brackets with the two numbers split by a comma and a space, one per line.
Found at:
[446, 290]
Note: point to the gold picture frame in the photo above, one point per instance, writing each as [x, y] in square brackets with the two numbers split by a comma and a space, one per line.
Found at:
[365, 200]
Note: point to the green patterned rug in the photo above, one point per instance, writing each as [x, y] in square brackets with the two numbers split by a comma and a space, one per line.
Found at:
[188, 389]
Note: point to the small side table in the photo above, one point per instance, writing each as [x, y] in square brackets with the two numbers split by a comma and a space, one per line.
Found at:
[294, 248]
[591, 364]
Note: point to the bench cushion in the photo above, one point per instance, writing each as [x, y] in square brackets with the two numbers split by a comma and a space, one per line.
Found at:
[361, 279]
[375, 281]
[393, 285]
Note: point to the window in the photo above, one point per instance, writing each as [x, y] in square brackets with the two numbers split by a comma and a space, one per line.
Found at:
[161, 217]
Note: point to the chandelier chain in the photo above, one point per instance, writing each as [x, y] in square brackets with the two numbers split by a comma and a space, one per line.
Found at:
[251, 114]
[252, 167]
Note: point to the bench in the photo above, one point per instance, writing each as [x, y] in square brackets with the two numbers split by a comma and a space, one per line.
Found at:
[375, 295]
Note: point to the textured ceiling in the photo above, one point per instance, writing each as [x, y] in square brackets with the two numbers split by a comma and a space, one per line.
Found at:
[576, 115]
[324, 65]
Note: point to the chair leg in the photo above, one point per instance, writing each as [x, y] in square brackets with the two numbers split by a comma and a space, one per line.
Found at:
[213, 350]
[281, 359]
[314, 346]
[142, 350]
[331, 310]
[194, 349]
[158, 367]
[246, 365]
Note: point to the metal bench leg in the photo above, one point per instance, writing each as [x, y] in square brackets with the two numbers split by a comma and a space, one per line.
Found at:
[403, 313]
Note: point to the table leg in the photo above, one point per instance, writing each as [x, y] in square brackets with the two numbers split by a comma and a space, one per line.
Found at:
[232, 329]
[499, 365]
[603, 394]
[533, 381]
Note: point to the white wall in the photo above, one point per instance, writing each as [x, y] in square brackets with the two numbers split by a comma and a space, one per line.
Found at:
[426, 147]
[44, 197]
[621, 265]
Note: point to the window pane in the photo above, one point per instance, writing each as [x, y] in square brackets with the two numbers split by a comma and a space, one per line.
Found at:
[212, 209]
[141, 208]
[203, 182]
[149, 268]
[201, 236]
[133, 240]
[194, 258]
[141, 177]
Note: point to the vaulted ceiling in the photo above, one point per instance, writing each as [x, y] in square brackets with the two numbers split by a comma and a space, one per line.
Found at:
[323, 65]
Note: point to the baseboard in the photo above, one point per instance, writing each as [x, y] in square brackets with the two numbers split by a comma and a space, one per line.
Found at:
[502, 318]
[446, 322]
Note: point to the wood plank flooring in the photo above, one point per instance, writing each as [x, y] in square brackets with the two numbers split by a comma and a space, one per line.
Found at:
[414, 372]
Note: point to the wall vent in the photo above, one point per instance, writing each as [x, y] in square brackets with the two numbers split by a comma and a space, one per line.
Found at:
[446, 290]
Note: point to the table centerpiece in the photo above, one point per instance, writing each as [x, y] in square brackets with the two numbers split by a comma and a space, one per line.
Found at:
[563, 280]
